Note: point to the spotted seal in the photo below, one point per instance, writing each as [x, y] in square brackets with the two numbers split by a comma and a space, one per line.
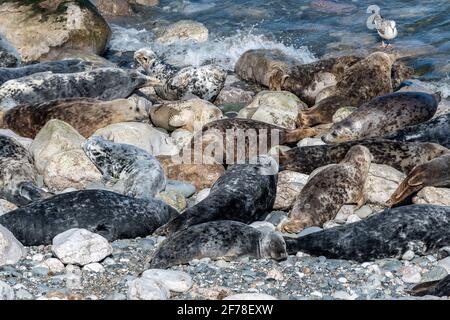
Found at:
[363, 81]
[218, 239]
[112, 215]
[328, 190]
[86, 115]
[388, 234]
[132, 170]
[436, 130]
[403, 156]
[102, 84]
[435, 173]
[204, 82]
[383, 115]
[18, 176]
[62, 66]
[244, 193]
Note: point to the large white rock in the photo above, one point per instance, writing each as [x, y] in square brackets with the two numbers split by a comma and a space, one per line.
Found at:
[432, 195]
[183, 30]
[80, 247]
[250, 296]
[276, 107]
[181, 137]
[147, 289]
[289, 185]
[176, 281]
[381, 183]
[141, 135]
[53, 265]
[6, 292]
[11, 250]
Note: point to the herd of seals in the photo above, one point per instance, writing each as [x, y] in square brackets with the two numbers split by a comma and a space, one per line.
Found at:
[398, 129]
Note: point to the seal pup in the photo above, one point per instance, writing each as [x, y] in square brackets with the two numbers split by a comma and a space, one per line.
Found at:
[18, 176]
[204, 82]
[403, 156]
[363, 81]
[102, 84]
[388, 234]
[328, 190]
[218, 239]
[86, 115]
[436, 130]
[439, 288]
[435, 173]
[383, 115]
[62, 66]
[244, 193]
[132, 170]
[112, 215]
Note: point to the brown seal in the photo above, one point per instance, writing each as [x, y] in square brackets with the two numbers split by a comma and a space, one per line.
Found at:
[363, 81]
[403, 156]
[86, 115]
[328, 190]
[435, 173]
[384, 115]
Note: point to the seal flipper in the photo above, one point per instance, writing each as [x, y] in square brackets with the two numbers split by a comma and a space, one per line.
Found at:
[28, 192]
[406, 188]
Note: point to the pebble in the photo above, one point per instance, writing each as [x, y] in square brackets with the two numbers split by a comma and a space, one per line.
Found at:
[342, 295]
[147, 289]
[6, 292]
[411, 274]
[93, 267]
[176, 281]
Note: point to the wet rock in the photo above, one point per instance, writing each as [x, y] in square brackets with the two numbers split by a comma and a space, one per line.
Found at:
[289, 185]
[432, 195]
[184, 30]
[147, 289]
[276, 107]
[381, 183]
[176, 281]
[141, 135]
[49, 29]
[81, 247]
[11, 250]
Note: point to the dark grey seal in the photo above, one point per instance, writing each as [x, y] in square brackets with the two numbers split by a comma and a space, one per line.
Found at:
[112, 215]
[244, 193]
[63, 66]
[102, 84]
[440, 288]
[18, 176]
[403, 156]
[218, 239]
[390, 233]
[436, 130]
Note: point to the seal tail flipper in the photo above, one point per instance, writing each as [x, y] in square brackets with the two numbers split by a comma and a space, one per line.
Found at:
[406, 188]
[28, 192]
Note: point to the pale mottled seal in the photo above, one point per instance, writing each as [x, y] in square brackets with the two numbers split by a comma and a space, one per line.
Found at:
[63, 66]
[86, 115]
[243, 193]
[435, 173]
[383, 115]
[18, 176]
[102, 84]
[439, 288]
[205, 81]
[363, 81]
[328, 190]
[218, 239]
[436, 130]
[134, 171]
[109, 214]
[403, 156]
[390, 233]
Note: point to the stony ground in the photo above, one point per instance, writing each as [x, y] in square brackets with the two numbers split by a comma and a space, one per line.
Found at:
[299, 277]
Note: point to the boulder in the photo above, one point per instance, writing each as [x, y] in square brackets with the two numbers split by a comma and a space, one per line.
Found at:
[289, 185]
[141, 135]
[6, 292]
[147, 289]
[51, 28]
[174, 199]
[114, 7]
[381, 183]
[184, 30]
[80, 247]
[176, 281]
[11, 250]
[432, 195]
[276, 107]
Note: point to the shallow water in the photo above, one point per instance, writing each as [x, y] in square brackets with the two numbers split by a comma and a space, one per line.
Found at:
[307, 30]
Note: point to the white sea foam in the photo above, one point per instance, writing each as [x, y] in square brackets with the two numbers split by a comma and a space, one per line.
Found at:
[222, 51]
[443, 86]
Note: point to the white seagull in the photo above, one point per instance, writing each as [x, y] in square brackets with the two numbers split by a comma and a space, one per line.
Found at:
[386, 28]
